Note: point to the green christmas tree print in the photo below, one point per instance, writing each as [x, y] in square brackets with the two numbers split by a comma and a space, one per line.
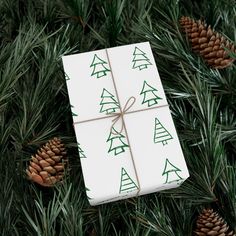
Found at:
[99, 67]
[171, 173]
[67, 77]
[140, 59]
[87, 190]
[160, 133]
[73, 113]
[108, 102]
[126, 183]
[117, 143]
[81, 152]
[149, 95]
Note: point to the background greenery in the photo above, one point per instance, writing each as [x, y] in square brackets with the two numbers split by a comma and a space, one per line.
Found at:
[34, 107]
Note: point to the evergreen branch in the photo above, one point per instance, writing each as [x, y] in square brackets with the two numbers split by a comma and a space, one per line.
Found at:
[34, 107]
[114, 19]
[227, 196]
[78, 10]
[72, 220]
[156, 219]
[43, 94]
[44, 220]
[8, 218]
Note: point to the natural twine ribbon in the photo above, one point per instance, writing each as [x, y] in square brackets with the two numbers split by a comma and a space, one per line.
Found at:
[120, 116]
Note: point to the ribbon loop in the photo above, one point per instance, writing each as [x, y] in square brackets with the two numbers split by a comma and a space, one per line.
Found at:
[119, 115]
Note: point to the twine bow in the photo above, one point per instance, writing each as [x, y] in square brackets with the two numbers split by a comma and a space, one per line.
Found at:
[119, 115]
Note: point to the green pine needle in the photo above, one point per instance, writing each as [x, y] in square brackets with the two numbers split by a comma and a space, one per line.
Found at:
[34, 107]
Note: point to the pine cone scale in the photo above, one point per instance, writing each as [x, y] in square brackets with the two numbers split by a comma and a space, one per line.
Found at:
[50, 161]
[34, 159]
[212, 233]
[56, 158]
[38, 157]
[36, 178]
[35, 166]
[200, 234]
[44, 163]
[43, 155]
[50, 170]
[44, 174]
[31, 169]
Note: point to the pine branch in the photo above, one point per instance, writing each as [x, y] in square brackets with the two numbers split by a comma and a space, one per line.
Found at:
[8, 214]
[227, 194]
[34, 106]
[44, 220]
[156, 218]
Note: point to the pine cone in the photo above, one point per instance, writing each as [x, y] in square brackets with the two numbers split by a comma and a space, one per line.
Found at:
[47, 166]
[209, 44]
[210, 223]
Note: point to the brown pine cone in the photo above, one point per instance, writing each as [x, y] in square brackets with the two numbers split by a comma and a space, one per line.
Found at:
[209, 223]
[47, 167]
[209, 44]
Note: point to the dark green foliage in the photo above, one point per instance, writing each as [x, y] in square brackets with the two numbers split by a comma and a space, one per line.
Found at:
[34, 107]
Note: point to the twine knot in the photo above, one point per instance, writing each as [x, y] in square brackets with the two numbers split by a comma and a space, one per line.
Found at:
[119, 115]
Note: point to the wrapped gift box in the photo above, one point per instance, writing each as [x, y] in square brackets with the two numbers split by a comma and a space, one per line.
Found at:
[127, 141]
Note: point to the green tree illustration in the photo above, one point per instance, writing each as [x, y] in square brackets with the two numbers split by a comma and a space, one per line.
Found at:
[73, 113]
[81, 152]
[67, 77]
[126, 183]
[108, 102]
[140, 59]
[117, 144]
[87, 190]
[171, 172]
[149, 95]
[99, 68]
[160, 133]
